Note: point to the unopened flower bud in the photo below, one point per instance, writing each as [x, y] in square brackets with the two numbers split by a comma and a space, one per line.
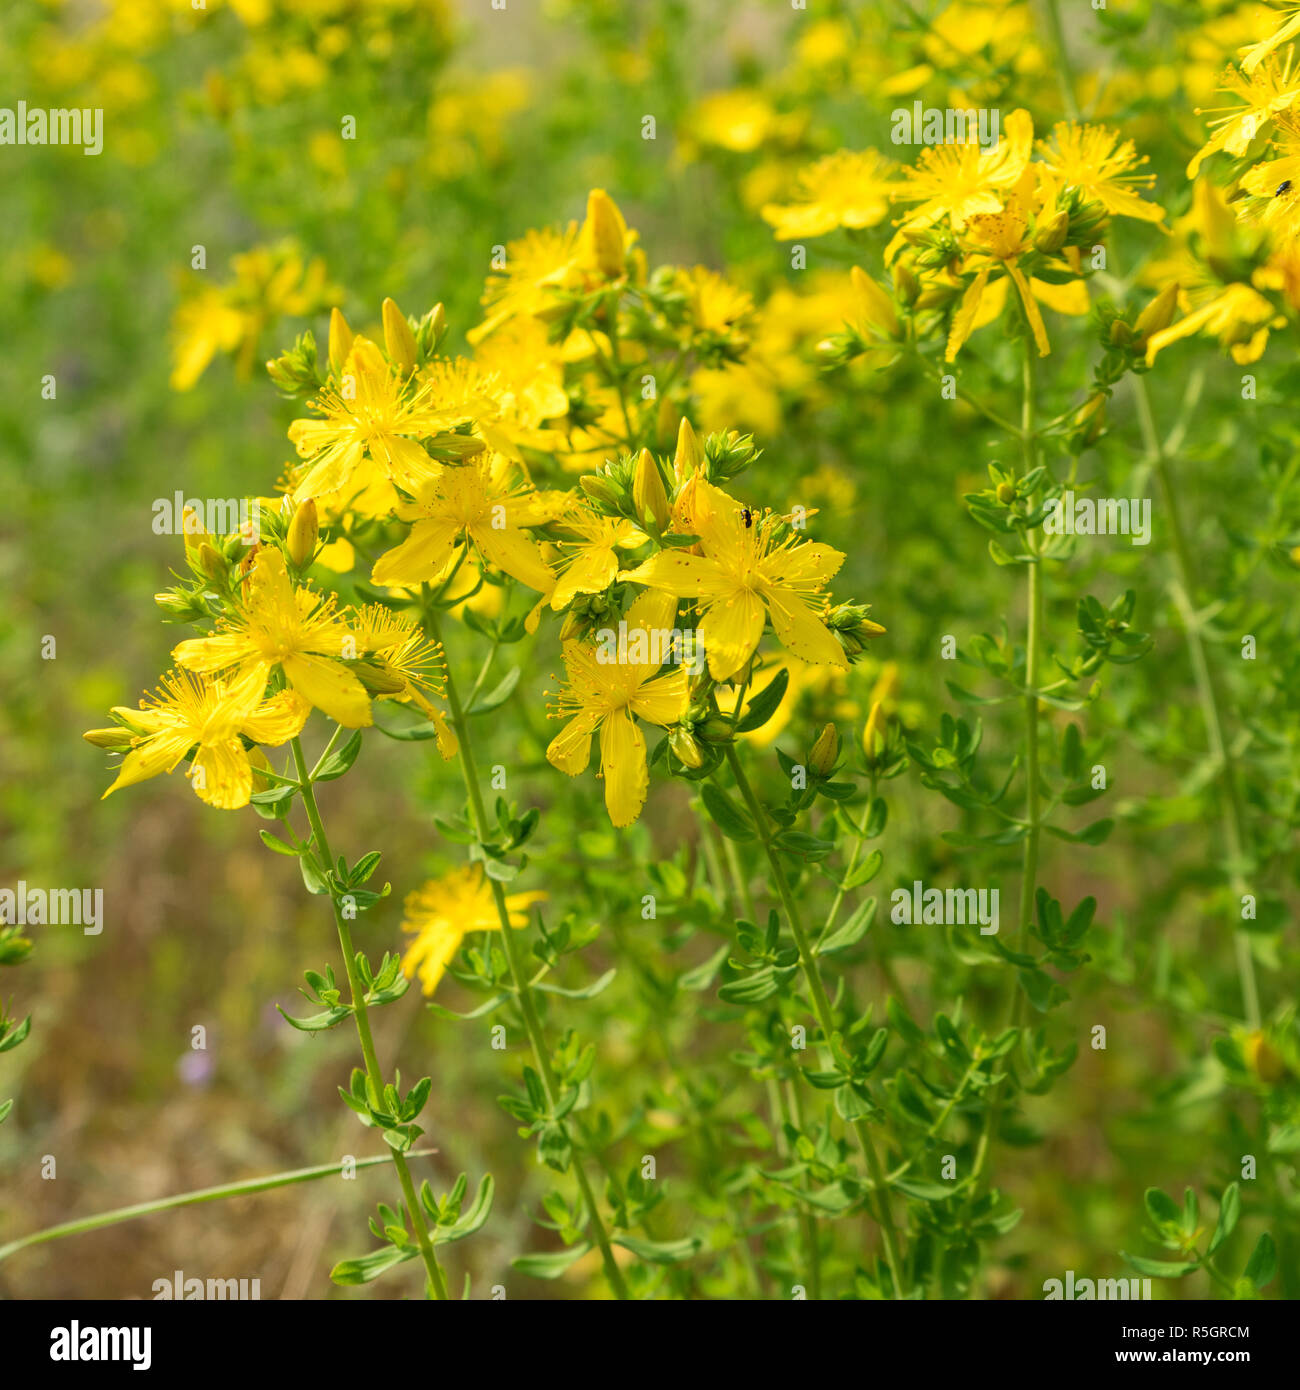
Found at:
[689, 455]
[115, 740]
[603, 235]
[398, 338]
[648, 495]
[600, 489]
[824, 751]
[1090, 419]
[431, 331]
[1051, 234]
[1121, 335]
[1157, 315]
[714, 730]
[211, 561]
[1006, 493]
[684, 748]
[873, 736]
[193, 530]
[378, 677]
[304, 530]
[341, 337]
[906, 283]
[1264, 1059]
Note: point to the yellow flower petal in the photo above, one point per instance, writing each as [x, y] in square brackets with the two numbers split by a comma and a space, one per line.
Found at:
[623, 766]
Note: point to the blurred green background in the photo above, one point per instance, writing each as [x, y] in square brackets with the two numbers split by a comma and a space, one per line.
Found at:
[222, 129]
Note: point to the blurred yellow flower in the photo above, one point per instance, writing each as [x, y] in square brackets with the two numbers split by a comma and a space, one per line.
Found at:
[440, 912]
[850, 188]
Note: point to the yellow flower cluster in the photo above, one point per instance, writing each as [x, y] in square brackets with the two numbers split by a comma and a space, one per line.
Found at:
[1236, 255]
[429, 465]
[980, 223]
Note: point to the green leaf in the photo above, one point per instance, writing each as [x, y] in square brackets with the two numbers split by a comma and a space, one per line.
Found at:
[552, 1264]
[1093, 834]
[1285, 1140]
[1262, 1265]
[11, 1040]
[1159, 1269]
[850, 932]
[5, 1107]
[765, 704]
[414, 733]
[498, 696]
[758, 984]
[340, 759]
[371, 1266]
[317, 1023]
[276, 844]
[924, 1191]
[702, 976]
[1161, 1208]
[734, 823]
[586, 992]
[865, 871]
[311, 874]
[471, 1220]
[659, 1252]
[1229, 1215]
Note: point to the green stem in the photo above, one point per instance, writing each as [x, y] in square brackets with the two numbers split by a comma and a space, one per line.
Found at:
[518, 973]
[1033, 811]
[361, 1017]
[1064, 68]
[1208, 694]
[822, 1008]
[246, 1188]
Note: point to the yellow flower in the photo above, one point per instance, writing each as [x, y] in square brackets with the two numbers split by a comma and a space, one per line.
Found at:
[1238, 316]
[205, 325]
[206, 716]
[535, 266]
[374, 415]
[609, 696]
[1288, 29]
[1268, 91]
[961, 180]
[297, 630]
[589, 563]
[442, 911]
[716, 305]
[1093, 159]
[850, 188]
[999, 241]
[396, 661]
[469, 504]
[738, 120]
[749, 569]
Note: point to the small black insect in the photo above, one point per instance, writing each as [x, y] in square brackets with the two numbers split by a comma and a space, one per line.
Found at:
[1283, 187]
[749, 517]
